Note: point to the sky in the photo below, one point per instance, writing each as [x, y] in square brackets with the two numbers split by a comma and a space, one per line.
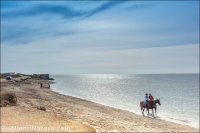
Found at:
[100, 37]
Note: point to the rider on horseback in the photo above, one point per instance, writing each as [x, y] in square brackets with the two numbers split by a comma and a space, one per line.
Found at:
[149, 103]
[151, 99]
[146, 100]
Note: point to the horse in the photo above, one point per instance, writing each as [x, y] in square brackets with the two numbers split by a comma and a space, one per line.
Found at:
[150, 105]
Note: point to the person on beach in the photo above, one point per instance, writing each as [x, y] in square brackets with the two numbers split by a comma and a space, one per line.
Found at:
[151, 99]
[41, 85]
[146, 100]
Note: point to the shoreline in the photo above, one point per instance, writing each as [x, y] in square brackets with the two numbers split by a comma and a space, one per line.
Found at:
[100, 117]
[177, 121]
[165, 118]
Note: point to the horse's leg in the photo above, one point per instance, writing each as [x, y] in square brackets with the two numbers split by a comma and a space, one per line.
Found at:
[148, 111]
[143, 111]
[152, 112]
[141, 107]
[155, 111]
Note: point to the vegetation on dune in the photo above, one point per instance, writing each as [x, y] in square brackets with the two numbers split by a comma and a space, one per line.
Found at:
[8, 99]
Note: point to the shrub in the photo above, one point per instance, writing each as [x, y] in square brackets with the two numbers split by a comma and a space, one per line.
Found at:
[8, 99]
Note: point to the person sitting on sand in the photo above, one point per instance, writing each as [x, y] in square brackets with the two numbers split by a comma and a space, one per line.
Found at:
[146, 100]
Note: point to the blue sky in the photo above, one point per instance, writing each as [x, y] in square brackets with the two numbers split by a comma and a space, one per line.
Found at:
[90, 37]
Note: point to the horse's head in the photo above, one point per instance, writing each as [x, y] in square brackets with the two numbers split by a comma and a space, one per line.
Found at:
[158, 101]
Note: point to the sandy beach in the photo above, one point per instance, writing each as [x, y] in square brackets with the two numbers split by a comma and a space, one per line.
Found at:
[70, 114]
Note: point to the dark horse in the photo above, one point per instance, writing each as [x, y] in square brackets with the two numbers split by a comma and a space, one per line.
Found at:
[150, 105]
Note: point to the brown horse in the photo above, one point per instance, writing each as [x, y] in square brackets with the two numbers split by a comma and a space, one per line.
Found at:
[150, 105]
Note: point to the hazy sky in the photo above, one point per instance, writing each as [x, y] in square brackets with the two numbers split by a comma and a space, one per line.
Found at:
[66, 37]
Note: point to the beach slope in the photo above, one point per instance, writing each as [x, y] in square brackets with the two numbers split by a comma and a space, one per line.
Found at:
[73, 114]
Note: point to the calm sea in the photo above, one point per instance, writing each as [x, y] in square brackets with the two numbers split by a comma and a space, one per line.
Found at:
[178, 93]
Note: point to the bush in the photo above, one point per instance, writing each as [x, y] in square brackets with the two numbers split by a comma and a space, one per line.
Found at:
[8, 99]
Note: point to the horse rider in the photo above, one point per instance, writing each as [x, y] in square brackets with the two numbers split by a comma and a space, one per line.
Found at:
[151, 99]
[146, 100]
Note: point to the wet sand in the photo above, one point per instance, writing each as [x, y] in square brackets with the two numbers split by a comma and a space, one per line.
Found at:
[76, 114]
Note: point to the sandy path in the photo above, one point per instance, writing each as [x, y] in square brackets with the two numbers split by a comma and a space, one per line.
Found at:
[20, 119]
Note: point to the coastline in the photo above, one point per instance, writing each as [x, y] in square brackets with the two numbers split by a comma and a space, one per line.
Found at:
[91, 115]
[177, 121]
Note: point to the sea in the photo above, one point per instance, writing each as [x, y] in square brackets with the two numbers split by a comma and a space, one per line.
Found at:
[178, 93]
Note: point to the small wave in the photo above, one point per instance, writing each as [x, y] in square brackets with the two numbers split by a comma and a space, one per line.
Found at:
[179, 121]
[187, 121]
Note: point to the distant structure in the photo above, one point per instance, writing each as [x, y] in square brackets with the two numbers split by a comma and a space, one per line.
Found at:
[41, 76]
[11, 75]
[7, 74]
